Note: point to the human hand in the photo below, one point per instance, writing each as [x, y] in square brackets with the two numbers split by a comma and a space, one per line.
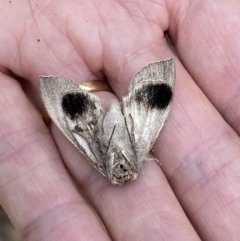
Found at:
[195, 194]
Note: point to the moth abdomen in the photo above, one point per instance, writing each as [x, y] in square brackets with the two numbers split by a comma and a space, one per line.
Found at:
[123, 172]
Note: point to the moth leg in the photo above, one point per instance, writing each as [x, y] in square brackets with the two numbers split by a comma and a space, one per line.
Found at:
[77, 130]
[91, 126]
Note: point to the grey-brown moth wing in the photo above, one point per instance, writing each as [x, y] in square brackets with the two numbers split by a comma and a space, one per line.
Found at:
[147, 105]
[73, 109]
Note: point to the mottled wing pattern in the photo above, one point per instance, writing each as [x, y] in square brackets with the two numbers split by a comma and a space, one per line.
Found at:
[147, 105]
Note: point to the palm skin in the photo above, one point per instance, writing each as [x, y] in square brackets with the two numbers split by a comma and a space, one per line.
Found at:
[196, 193]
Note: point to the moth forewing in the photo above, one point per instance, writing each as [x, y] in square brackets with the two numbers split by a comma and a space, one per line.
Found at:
[116, 142]
[147, 105]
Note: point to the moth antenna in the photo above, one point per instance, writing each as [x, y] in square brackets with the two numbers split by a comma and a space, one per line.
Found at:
[131, 137]
[111, 138]
[125, 156]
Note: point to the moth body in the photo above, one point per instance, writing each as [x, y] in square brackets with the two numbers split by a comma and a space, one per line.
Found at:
[118, 141]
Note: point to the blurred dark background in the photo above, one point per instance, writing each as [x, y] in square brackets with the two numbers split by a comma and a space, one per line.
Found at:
[7, 231]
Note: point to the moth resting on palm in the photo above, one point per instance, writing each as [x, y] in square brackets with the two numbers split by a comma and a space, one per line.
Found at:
[118, 141]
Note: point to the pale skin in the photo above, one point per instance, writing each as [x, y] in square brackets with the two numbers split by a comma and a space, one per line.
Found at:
[195, 194]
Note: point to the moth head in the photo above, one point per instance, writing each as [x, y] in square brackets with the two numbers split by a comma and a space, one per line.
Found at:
[123, 172]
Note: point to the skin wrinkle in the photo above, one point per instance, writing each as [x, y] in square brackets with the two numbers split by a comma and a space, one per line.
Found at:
[35, 167]
[96, 73]
[231, 182]
[47, 211]
[139, 222]
[32, 13]
[162, 234]
[26, 141]
[117, 207]
[14, 57]
[103, 191]
[229, 109]
[210, 180]
[225, 207]
[193, 129]
[48, 45]
[62, 61]
[181, 11]
[19, 48]
[101, 37]
[142, 9]
[86, 185]
[211, 214]
[127, 61]
[150, 190]
[219, 38]
[97, 70]
[209, 145]
[127, 199]
[20, 176]
[36, 223]
[197, 160]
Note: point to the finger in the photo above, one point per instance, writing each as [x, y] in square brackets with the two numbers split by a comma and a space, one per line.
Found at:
[144, 209]
[35, 189]
[207, 41]
[199, 153]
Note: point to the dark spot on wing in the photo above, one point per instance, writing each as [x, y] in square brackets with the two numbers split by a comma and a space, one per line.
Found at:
[155, 95]
[76, 104]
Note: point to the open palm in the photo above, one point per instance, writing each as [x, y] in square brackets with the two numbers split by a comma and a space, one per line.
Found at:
[195, 195]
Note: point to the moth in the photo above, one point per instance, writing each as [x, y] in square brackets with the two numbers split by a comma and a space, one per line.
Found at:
[118, 141]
